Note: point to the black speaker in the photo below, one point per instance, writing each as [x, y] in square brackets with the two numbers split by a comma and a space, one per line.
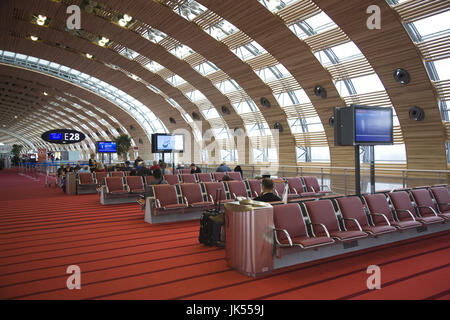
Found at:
[331, 121]
[320, 92]
[265, 103]
[172, 120]
[195, 116]
[278, 126]
[131, 127]
[402, 76]
[140, 141]
[416, 113]
[225, 110]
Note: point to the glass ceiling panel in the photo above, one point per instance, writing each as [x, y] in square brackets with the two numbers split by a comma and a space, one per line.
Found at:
[129, 103]
[434, 25]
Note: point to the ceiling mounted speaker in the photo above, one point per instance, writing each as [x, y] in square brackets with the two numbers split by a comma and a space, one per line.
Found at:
[131, 127]
[416, 114]
[140, 141]
[225, 110]
[118, 130]
[195, 116]
[320, 92]
[172, 120]
[331, 122]
[402, 76]
[278, 126]
[264, 102]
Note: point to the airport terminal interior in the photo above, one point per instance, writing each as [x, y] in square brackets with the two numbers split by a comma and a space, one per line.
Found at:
[225, 150]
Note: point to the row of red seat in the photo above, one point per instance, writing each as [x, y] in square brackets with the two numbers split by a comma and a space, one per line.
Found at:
[371, 214]
[183, 195]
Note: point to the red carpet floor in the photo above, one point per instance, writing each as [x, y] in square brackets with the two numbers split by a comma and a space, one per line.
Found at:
[43, 231]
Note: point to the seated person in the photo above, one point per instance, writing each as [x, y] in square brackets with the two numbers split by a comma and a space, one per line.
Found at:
[100, 167]
[159, 179]
[195, 169]
[267, 192]
[223, 168]
[143, 170]
[155, 166]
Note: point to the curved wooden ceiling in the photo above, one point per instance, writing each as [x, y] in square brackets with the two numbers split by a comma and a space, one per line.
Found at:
[382, 52]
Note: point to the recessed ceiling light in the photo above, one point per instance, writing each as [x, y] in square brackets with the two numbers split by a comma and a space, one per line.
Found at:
[34, 38]
[88, 55]
[103, 41]
[127, 17]
[45, 93]
[15, 117]
[122, 22]
[41, 20]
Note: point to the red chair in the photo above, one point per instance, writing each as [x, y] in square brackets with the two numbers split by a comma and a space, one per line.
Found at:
[355, 218]
[116, 174]
[237, 189]
[211, 191]
[192, 195]
[100, 177]
[172, 179]
[188, 178]
[279, 187]
[325, 223]
[312, 185]
[135, 184]
[296, 187]
[425, 205]
[218, 176]
[403, 205]
[255, 187]
[235, 175]
[148, 179]
[381, 213]
[166, 197]
[86, 178]
[115, 185]
[204, 177]
[442, 198]
[290, 229]
[184, 171]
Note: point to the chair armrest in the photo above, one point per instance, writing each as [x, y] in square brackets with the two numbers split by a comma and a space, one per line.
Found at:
[381, 215]
[323, 226]
[234, 195]
[431, 208]
[287, 236]
[157, 203]
[409, 212]
[211, 198]
[355, 221]
[186, 201]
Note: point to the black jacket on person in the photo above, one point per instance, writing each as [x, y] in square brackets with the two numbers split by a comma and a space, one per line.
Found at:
[267, 197]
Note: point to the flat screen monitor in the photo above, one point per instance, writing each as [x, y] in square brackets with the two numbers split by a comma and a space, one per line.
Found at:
[106, 147]
[373, 125]
[56, 136]
[167, 143]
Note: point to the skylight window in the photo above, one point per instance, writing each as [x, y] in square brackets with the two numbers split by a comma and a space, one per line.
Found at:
[195, 95]
[190, 10]
[206, 68]
[210, 114]
[175, 80]
[434, 25]
[244, 106]
[367, 84]
[153, 66]
[222, 30]
[181, 51]
[346, 51]
[128, 53]
[443, 69]
[154, 35]
[320, 22]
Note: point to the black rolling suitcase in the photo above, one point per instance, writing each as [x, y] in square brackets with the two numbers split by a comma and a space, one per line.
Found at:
[210, 229]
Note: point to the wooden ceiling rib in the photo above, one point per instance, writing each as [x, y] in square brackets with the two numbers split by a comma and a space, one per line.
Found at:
[298, 11]
[413, 10]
